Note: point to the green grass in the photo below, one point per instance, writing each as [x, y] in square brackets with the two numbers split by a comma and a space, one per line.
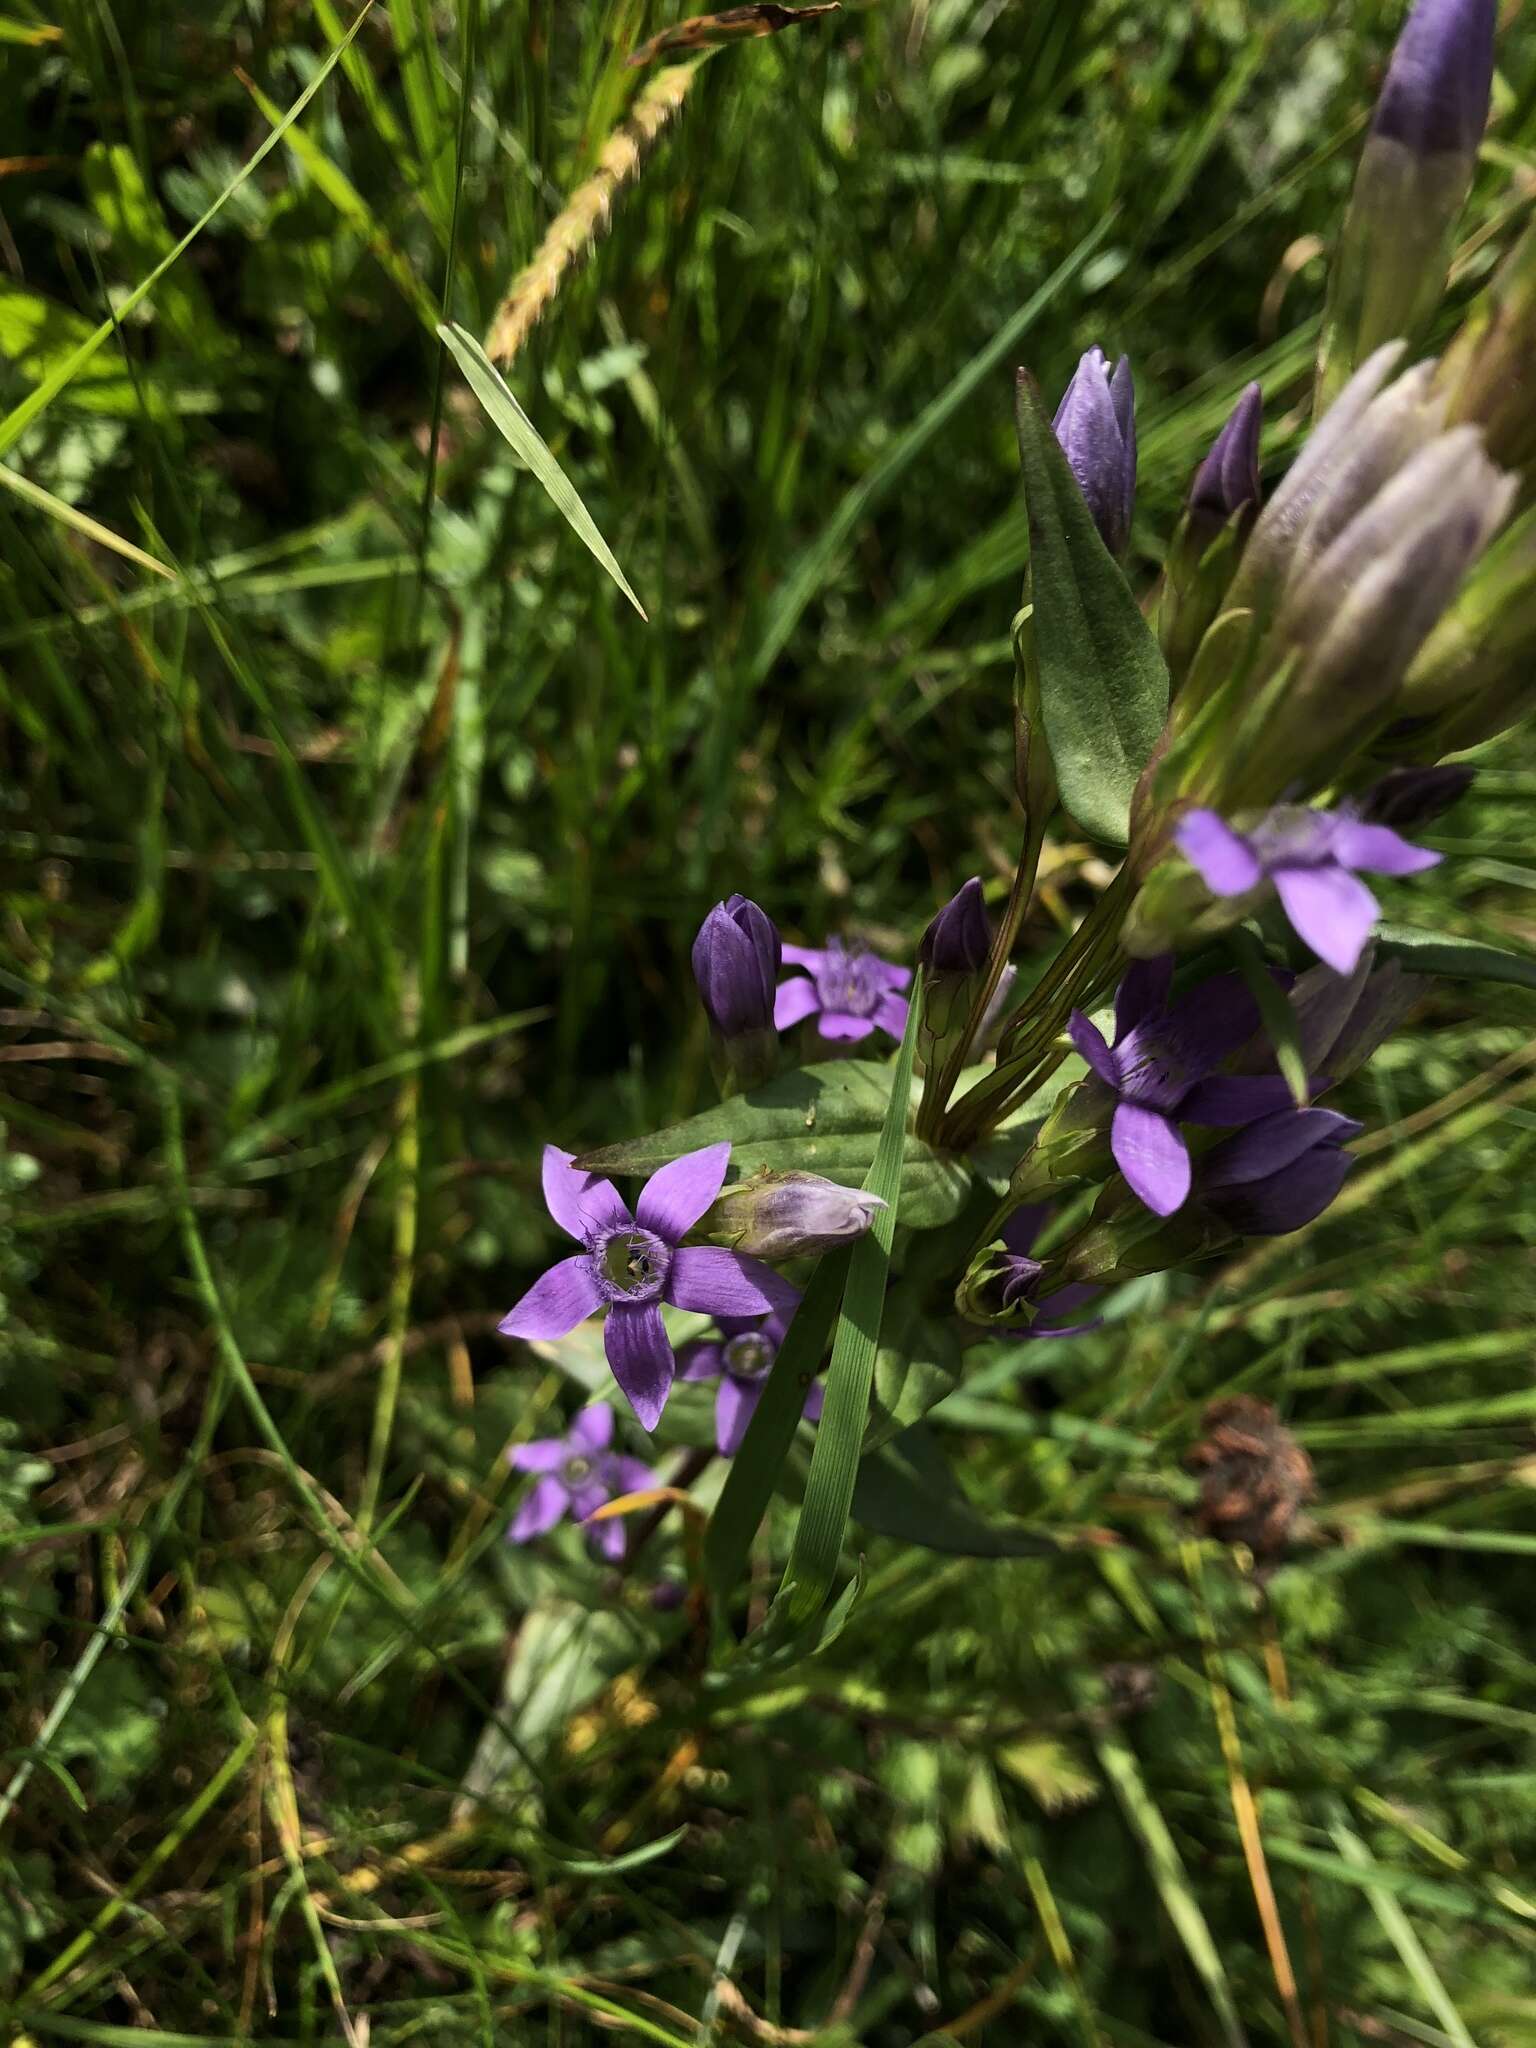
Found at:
[361, 855]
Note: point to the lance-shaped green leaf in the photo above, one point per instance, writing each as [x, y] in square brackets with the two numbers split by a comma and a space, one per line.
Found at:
[1453, 958]
[906, 1490]
[1103, 682]
[825, 1119]
[829, 1487]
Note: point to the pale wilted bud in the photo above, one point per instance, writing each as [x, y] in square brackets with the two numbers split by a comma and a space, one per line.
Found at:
[789, 1215]
[1415, 171]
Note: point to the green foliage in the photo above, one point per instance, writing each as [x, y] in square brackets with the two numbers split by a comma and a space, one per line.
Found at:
[373, 841]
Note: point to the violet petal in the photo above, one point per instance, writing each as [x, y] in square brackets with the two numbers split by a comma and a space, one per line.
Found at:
[635, 1339]
[1330, 910]
[579, 1202]
[556, 1302]
[544, 1454]
[1142, 993]
[1380, 850]
[538, 1511]
[891, 1016]
[1089, 1041]
[1222, 858]
[714, 1281]
[735, 1405]
[677, 1194]
[795, 999]
[1225, 1100]
[592, 1431]
[1152, 1155]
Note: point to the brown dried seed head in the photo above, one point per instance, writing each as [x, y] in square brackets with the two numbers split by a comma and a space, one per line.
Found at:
[1256, 1476]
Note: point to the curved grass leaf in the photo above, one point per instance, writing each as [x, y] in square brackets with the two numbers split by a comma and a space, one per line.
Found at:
[825, 1119]
[835, 1461]
[756, 1466]
[527, 444]
[1103, 682]
[907, 1491]
[1453, 958]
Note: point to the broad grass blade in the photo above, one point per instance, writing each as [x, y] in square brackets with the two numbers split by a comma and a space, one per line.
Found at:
[840, 1434]
[509, 419]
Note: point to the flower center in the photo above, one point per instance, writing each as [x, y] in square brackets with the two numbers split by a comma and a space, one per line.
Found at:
[749, 1357]
[576, 1471]
[849, 982]
[631, 1265]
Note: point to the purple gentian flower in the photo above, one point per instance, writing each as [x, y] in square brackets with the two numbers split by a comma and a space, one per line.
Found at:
[1228, 479]
[1435, 96]
[1096, 427]
[736, 964]
[1312, 858]
[850, 992]
[1161, 1071]
[631, 1264]
[1020, 1275]
[576, 1474]
[1279, 1173]
[741, 1359]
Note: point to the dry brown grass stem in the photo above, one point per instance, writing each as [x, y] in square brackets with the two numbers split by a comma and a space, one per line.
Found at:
[587, 212]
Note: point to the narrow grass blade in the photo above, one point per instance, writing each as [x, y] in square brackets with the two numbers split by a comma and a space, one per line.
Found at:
[509, 419]
[1146, 1822]
[21, 416]
[352, 206]
[1398, 1929]
[68, 515]
[812, 567]
[755, 1468]
[840, 1434]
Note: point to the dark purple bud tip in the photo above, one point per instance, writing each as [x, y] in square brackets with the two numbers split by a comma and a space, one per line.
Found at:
[960, 937]
[1228, 478]
[1435, 98]
[736, 960]
[1412, 796]
[1096, 427]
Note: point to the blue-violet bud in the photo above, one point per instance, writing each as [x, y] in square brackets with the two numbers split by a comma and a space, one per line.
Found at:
[1096, 427]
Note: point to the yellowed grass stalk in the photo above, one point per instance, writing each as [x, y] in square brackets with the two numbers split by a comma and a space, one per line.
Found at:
[587, 212]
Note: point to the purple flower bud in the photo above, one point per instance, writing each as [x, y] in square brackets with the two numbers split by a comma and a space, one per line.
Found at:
[1435, 98]
[1096, 426]
[736, 965]
[789, 1215]
[1279, 1173]
[960, 937]
[1228, 479]
[1412, 796]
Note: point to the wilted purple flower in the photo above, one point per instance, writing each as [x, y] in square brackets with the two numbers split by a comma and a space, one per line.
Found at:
[1161, 1071]
[1279, 1173]
[960, 937]
[1311, 857]
[1435, 96]
[1228, 479]
[1096, 426]
[1412, 796]
[575, 1474]
[741, 1359]
[736, 965]
[790, 1215]
[631, 1264]
[850, 992]
[1020, 1275]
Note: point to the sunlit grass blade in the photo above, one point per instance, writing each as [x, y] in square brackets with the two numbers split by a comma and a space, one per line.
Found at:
[834, 1470]
[1399, 1931]
[21, 416]
[509, 419]
[70, 515]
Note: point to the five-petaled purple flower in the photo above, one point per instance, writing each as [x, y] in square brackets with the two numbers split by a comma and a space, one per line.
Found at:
[1020, 1274]
[1280, 1172]
[1161, 1071]
[575, 1474]
[850, 992]
[741, 1359]
[631, 1264]
[1311, 857]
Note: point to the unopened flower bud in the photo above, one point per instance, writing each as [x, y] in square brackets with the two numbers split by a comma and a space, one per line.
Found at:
[736, 958]
[1228, 479]
[1096, 426]
[791, 1215]
[960, 938]
[1413, 796]
[1415, 171]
